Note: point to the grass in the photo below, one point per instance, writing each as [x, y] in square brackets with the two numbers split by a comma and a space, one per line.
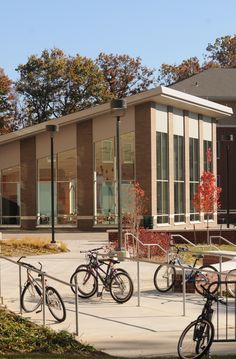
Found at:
[30, 246]
[20, 336]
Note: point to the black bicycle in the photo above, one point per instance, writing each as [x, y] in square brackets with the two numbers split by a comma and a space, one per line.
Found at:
[114, 280]
[197, 337]
[32, 294]
[165, 275]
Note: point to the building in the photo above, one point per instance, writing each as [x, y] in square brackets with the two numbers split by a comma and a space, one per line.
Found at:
[219, 85]
[164, 135]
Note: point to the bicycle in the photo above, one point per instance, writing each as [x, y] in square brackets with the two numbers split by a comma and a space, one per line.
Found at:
[32, 294]
[197, 337]
[165, 275]
[114, 280]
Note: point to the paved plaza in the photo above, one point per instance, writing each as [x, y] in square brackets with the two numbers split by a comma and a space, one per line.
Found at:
[145, 326]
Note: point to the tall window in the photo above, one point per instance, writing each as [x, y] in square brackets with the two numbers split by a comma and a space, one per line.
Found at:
[179, 170]
[207, 143]
[179, 192]
[193, 175]
[65, 188]
[10, 196]
[105, 181]
[105, 176]
[207, 148]
[162, 158]
[194, 165]
[162, 178]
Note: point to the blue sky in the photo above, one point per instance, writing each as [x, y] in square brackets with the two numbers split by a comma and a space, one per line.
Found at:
[159, 31]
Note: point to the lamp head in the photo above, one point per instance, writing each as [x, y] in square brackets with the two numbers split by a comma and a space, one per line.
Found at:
[52, 129]
[118, 107]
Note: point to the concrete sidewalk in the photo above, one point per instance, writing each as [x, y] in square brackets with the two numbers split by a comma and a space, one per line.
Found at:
[129, 329]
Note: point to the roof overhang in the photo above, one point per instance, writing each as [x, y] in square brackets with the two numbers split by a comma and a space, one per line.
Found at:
[161, 94]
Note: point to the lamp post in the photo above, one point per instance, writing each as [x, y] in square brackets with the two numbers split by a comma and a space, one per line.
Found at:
[228, 139]
[52, 129]
[118, 109]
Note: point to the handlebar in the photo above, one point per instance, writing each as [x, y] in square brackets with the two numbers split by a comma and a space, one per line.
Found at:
[28, 264]
[210, 296]
[92, 250]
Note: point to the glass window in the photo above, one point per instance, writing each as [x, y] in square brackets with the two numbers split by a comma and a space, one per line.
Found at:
[65, 189]
[193, 174]
[105, 176]
[162, 178]
[104, 181]
[207, 148]
[127, 156]
[179, 192]
[10, 196]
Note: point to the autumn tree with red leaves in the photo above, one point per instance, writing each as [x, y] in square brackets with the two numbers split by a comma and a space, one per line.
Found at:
[207, 196]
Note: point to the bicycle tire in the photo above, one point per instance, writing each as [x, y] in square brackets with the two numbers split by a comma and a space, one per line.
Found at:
[203, 278]
[164, 278]
[121, 287]
[87, 283]
[196, 339]
[82, 266]
[231, 288]
[55, 304]
[31, 297]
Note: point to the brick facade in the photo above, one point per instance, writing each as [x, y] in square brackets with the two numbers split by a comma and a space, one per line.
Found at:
[28, 173]
[85, 175]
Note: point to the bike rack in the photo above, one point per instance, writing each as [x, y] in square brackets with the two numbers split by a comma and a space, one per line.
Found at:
[43, 275]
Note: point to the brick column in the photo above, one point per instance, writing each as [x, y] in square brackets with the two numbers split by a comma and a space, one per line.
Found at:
[28, 183]
[143, 150]
[85, 197]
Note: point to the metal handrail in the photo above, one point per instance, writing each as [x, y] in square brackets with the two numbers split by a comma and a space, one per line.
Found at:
[223, 239]
[182, 237]
[148, 245]
[43, 275]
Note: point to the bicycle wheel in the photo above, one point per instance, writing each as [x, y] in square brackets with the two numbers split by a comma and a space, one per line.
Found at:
[164, 278]
[31, 297]
[196, 339]
[72, 279]
[121, 287]
[55, 304]
[87, 283]
[204, 277]
[231, 287]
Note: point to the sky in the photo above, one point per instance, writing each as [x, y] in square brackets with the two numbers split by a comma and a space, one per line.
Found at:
[158, 31]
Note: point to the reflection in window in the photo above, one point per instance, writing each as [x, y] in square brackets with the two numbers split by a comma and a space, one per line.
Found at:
[105, 178]
[65, 188]
[10, 196]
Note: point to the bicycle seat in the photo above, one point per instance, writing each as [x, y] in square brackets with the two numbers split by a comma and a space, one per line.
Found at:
[111, 260]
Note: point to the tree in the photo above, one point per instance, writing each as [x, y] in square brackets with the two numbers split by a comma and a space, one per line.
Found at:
[207, 196]
[55, 85]
[7, 103]
[222, 52]
[125, 75]
[169, 74]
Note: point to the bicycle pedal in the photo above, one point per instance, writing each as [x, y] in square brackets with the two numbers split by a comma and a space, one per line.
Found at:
[38, 311]
[99, 294]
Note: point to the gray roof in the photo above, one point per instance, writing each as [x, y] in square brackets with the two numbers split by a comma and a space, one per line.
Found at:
[213, 84]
